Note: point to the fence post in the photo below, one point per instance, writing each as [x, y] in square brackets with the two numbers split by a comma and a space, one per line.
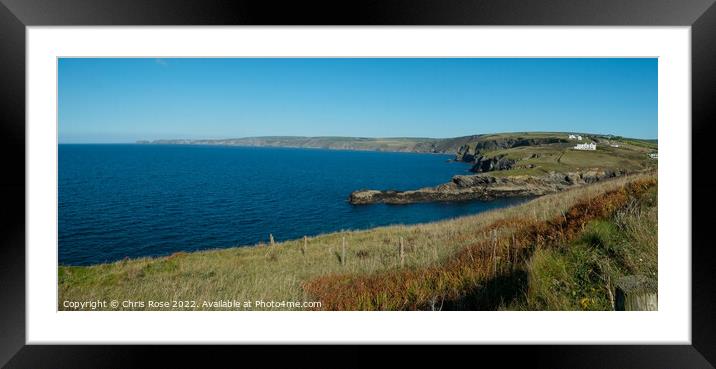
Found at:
[494, 251]
[271, 239]
[305, 244]
[509, 247]
[636, 293]
[343, 256]
[402, 253]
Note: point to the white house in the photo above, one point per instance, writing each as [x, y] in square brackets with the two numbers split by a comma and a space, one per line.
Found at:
[653, 155]
[614, 145]
[586, 146]
[579, 138]
[572, 137]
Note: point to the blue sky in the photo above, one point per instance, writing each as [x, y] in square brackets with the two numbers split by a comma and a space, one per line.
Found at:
[124, 100]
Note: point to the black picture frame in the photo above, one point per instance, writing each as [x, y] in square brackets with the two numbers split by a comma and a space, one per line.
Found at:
[16, 15]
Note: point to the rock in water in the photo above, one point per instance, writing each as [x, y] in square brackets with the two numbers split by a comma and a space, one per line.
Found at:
[483, 187]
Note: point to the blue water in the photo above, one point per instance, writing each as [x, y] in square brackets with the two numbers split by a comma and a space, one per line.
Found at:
[118, 201]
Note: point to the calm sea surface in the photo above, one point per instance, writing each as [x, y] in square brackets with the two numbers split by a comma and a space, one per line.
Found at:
[119, 201]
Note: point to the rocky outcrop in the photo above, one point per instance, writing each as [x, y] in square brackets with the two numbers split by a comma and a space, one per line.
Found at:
[483, 164]
[465, 153]
[484, 187]
[473, 152]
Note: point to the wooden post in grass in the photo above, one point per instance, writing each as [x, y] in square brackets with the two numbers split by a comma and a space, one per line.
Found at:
[343, 255]
[494, 251]
[402, 253]
[636, 293]
[271, 239]
[509, 247]
[305, 244]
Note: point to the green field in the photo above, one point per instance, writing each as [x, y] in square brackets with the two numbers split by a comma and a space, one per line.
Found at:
[630, 156]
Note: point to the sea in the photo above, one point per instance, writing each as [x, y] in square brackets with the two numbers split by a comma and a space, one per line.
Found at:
[119, 201]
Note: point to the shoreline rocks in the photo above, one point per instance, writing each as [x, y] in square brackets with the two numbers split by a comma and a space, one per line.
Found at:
[483, 187]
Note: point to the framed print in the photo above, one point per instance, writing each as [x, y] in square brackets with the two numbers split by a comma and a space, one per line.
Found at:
[507, 176]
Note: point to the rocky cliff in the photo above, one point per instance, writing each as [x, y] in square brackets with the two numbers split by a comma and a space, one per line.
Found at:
[470, 151]
[476, 152]
[486, 164]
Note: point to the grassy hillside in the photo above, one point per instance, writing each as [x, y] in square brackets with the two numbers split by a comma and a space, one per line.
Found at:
[457, 263]
[615, 154]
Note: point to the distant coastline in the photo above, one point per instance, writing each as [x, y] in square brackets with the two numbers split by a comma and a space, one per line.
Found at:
[386, 144]
[397, 144]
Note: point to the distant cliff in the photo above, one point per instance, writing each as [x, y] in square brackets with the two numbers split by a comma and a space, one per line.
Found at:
[396, 144]
[465, 148]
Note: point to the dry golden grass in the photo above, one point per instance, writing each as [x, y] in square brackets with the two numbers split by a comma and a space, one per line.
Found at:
[280, 272]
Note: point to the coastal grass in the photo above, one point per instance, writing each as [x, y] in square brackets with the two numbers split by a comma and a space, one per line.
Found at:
[484, 275]
[582, 274]
[298, 271]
